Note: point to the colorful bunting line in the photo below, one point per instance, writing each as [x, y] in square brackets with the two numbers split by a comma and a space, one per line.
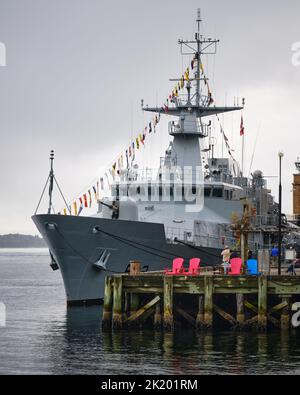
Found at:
[226, 140]
[86, 200]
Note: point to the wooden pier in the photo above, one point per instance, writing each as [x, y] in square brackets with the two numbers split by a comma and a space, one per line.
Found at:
[207, 301]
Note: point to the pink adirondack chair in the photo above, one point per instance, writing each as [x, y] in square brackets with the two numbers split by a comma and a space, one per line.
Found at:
[177, 267]
[235, 267]
[194, 269]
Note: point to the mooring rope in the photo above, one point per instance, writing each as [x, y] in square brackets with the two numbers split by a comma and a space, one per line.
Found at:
[80, 255]
[134, 244]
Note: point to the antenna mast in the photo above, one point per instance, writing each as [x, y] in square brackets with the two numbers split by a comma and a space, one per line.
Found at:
[51, 179]
[196, 102]
[197, 36]
[198, 47]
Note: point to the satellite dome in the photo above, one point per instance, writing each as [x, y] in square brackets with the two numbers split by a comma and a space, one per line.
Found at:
[258, 174]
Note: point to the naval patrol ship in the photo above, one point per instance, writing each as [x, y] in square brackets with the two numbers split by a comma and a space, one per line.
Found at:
[183, 209]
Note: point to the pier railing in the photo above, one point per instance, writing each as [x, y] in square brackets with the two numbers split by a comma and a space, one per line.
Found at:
[265, 220]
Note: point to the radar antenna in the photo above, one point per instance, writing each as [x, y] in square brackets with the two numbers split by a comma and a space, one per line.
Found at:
[196, 101]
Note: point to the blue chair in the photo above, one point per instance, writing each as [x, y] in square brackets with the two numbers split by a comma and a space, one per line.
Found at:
[252, 267]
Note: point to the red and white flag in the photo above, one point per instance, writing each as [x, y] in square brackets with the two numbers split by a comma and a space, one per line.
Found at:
[85, 200]
[242, 129]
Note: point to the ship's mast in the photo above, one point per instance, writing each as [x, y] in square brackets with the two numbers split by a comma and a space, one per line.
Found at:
[197, 48]
[197, 103]
[51, 179]
[198, 58]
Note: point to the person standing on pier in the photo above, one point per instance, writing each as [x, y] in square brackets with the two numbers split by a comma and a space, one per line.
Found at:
[291, 269]
[274, 255]
[226, 258]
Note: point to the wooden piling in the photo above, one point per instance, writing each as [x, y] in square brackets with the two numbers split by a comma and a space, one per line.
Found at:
[134, 303]
[208, 301]
[157, 317]
[200, 314]
[126, 312]
[262, 302]
[285, 314]
[240, 310]
[168, 303]
[108, 301]
[264, 262]
[117, 303]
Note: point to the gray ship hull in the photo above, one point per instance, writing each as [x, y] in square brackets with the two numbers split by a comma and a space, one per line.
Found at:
[77, 243]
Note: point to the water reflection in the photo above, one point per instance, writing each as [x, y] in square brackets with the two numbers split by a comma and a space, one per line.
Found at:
[82, 347]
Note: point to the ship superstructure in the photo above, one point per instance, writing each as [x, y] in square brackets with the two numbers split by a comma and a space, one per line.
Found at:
[165, 195]
[182, 208]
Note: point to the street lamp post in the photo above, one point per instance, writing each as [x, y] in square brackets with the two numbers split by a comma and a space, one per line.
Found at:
[280, 215]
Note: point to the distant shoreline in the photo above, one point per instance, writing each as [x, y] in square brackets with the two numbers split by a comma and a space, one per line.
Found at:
[21, 241]
[21, 248]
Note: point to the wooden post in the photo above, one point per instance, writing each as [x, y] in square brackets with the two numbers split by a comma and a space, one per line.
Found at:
[208, 301]
[117, 303]
[134, 306]
[264, 262]
[243, 248]
[134, 303]
[168, 303]
[262, 302]
[285, 315]
[244, 234]
[126, 311]
[168, 344]
[240, 309]
[108, 301]
[157, 317]
[267, 261]
[135, 268]
[200, 314]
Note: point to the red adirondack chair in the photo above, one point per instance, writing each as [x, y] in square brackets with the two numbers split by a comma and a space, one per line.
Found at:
[177, 267]
[194, 269]
[235, 267]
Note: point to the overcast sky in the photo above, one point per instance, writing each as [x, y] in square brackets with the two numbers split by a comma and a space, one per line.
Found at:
[77, 69]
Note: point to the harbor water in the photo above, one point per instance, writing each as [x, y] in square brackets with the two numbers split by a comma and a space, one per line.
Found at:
[42, 336]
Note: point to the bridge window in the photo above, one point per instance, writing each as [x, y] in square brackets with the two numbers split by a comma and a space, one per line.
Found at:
[218, 192]
[207, 192]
